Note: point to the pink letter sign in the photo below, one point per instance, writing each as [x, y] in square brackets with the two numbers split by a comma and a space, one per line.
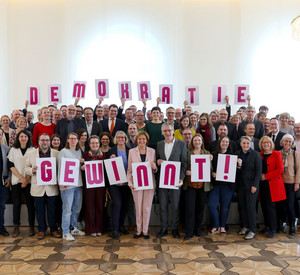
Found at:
[226, 168]
[169, 174]
[115, 170]
[125, 90]
[166, 94]
[33, 94]
[94, 174]
[219, 93]
[54, 93]
[192, 95]
[144, 90]
[69, 172]
[46, 172]
[241, 93]
[200, 168]
[142, 176]
[79, 89]
[102, 89]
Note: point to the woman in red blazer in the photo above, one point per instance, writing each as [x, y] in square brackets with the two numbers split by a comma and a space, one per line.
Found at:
[271, 186]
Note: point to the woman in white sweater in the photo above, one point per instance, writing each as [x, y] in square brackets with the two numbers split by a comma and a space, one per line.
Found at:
[71, 195]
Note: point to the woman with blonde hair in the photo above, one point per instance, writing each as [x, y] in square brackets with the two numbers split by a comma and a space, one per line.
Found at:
[21, 124]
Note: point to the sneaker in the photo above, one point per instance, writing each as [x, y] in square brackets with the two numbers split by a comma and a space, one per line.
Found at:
[76, 232]
[68, 237]
[250, 235]
[243, 231]
[94, 234]
[99, 234]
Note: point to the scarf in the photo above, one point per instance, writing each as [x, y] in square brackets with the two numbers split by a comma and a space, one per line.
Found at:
[95, 157]
[284, 157]
[204, 129]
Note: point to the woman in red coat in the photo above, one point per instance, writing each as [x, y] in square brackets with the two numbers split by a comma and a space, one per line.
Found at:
[271, 186]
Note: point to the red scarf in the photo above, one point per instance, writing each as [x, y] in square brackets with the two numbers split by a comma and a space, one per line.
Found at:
[206, 132]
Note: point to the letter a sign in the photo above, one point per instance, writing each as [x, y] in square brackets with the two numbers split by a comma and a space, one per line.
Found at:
[142, 176]
[94, 174]
[169, 174]
[46, 172]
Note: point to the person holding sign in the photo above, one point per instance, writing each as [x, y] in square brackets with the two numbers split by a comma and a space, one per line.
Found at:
[185, 123]
[94, 197]
[248, 177]
[170, 149]
[44, 195]
[20, 182]
[195, 194]
[119, 192]
[221, 193]
[71, 195]
[271, 186]
[142, 198]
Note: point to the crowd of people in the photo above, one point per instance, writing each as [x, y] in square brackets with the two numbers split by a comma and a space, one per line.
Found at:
[268, 169]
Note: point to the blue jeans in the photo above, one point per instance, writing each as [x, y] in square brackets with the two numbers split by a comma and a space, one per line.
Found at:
[71, 205]
[219, 194]
[3, 199]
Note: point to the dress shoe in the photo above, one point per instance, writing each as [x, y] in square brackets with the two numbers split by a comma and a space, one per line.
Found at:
[162, 233]
[272, 234]
[41, 235]
[250, 235]
[292, 229]
[187, 237]
[31, 231]
[16, 231]
[115, 235]
[123, 230]
[3, 231]
[136, 236]
[146, 236]
[56, 234]
[175, 234]
[243, 231]
[264, 230]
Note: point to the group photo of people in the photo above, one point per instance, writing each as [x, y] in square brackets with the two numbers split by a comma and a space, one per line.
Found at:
[267, 170]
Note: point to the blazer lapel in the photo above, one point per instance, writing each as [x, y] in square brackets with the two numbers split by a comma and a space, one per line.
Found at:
[173, 149]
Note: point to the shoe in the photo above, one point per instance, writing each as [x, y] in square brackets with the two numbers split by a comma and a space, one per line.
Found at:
[175, 234]
[272, 234]
[250, 235]
[243, 231]
[76, 232]
[292, 231]
[146, 236]
[31, 231]
[55, 234]
[99, 234]
[41, 235]
[162, 233]
[136, 236]
[16, 231]
[198, 233]
[131, 227]
[187, 237]
[214, 231]
[68, 237]
[223, 232]
[280, 228]
[94, 234]
[264, 230]
[115, 235]
[123, 230]
[3, 231]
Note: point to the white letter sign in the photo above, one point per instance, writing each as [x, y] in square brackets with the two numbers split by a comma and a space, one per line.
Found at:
[94, 174]
[102, 88]
[226, 168]
[169, 174]
[192, 95]
[219, 93]
[54, 93]
[33, 95]
[241, 93]
[125, 90]
[166, 94]
[144, 90]
[200, 168]
[115, 170]
[79, 89]
[69, 172]
[46, 172]
[142, 176]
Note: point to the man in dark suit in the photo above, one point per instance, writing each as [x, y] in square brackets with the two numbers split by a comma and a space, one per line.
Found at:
[275, 134]
[222, 131]
[259, 126]
[170, 149]
[223, 119]
[112, 124]
[93, 127]
[250, 131]
[69, 124]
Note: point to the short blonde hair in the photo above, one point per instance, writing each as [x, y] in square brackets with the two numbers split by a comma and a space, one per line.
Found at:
[268, 139]
[19, 119]
[123, 134]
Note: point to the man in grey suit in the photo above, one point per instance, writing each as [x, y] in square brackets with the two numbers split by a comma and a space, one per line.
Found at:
[170, 149]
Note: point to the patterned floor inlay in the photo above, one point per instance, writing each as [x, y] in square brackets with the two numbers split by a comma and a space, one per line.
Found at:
[210, 254]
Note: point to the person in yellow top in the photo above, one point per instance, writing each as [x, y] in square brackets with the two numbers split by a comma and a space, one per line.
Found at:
[185, 123]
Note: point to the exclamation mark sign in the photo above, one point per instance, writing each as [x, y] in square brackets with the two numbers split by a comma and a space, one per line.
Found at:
[226, 169]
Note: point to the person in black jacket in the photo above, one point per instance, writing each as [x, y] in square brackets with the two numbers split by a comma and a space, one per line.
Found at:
[248, 178]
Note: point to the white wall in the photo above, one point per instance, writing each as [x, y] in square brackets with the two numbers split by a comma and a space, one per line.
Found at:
[180, 42]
